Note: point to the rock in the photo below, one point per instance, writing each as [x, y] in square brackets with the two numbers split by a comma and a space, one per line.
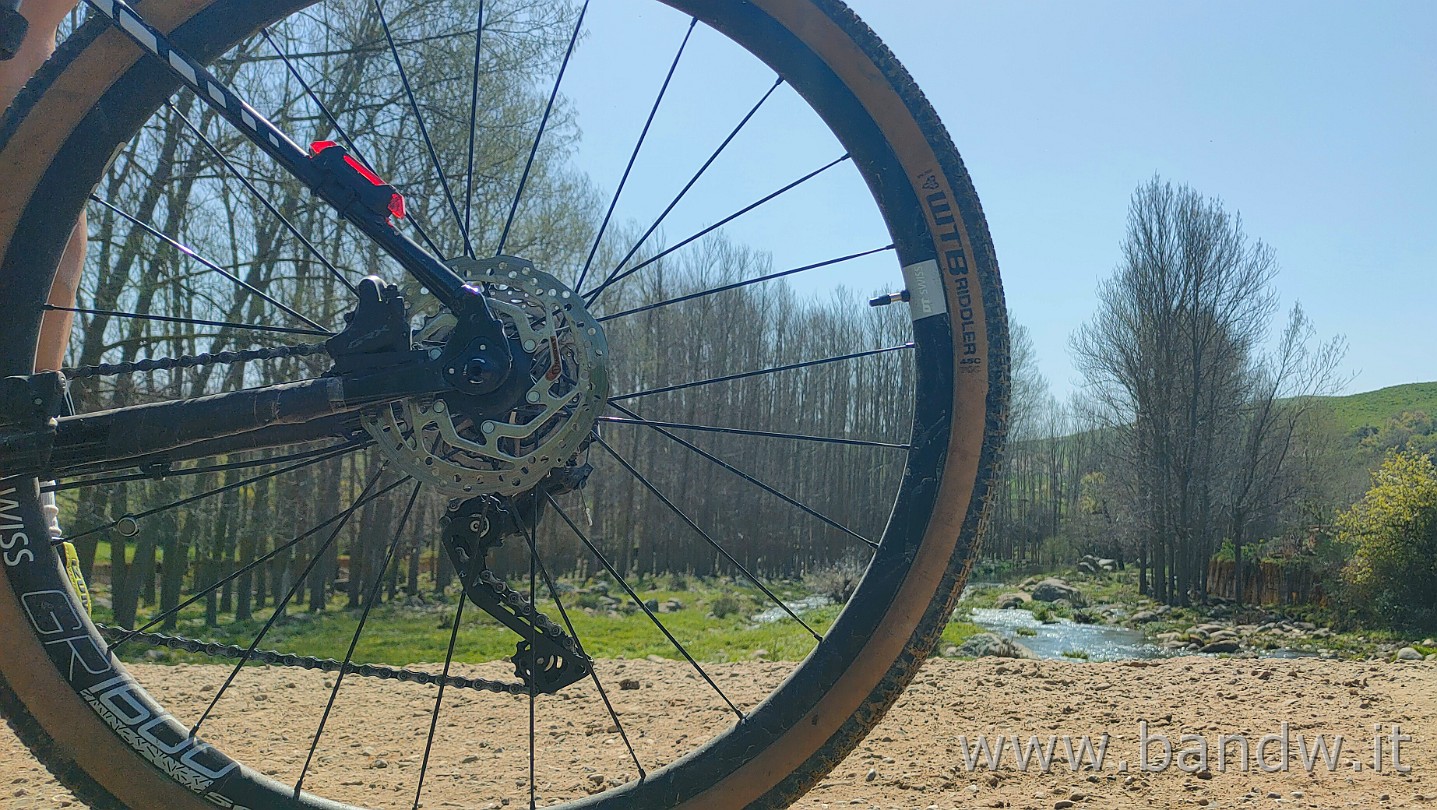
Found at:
[1144, 616]
[1108, 565]
[1087, 567]
[1061, 804]
[1052, 589]
[872, 774]
[1012, 601]
[652, 605]
[629, 684]
[671, 606]
[1408, 654]
[759, 654]
[1224, 646]
[472, 758]
[379, 763]
[992, 645]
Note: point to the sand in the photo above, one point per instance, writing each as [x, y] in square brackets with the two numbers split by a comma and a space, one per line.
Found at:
[913, 759]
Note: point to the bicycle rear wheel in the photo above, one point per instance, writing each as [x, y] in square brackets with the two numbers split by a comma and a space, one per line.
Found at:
[95, 727]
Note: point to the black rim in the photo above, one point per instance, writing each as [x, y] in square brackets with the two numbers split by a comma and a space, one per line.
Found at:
[146, 86]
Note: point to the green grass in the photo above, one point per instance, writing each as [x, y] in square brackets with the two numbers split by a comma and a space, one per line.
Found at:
[402, 634]
[1081, 655]
[1376, 407]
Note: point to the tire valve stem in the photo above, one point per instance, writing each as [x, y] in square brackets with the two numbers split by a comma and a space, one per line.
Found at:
[891, 298]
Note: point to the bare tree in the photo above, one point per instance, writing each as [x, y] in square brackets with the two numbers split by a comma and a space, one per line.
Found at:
[1168, 357]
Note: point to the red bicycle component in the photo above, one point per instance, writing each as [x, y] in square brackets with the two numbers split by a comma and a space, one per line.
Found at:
[394, 205]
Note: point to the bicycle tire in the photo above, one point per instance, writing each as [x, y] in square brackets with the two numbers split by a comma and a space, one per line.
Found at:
[56, 140]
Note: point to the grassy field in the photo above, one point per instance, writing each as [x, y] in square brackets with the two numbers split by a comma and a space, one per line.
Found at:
[419, 631]
[1376, 407]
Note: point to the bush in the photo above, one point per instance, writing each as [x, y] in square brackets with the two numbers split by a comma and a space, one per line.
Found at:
[836, 582]
[1391, 533]
[725, 606]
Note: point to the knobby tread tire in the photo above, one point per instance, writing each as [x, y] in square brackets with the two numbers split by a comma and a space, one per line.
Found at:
[955, 569]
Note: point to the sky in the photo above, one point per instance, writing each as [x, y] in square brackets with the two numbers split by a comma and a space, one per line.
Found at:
[1316, 121]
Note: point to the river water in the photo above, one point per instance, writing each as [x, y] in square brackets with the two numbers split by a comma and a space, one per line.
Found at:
[1102, 642]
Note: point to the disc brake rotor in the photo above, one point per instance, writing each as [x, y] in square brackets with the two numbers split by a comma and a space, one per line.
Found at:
[560, 350]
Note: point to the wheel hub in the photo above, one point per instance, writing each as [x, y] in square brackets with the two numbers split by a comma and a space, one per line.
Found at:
[557, 387]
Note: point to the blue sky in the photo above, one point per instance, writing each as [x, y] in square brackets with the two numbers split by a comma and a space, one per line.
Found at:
[1316, 120]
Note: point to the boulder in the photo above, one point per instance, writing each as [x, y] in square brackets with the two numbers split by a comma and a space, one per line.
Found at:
[1144, 616]
[1107, 565]
[1012, 601]
[1408, 654]
[992, 645]
[1224, 646]
[1052, 589]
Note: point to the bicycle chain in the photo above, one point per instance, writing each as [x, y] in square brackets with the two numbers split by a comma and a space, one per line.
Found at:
[214, 649]
[190, 361]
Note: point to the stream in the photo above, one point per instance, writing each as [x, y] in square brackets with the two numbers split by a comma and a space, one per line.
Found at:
[1102, 642]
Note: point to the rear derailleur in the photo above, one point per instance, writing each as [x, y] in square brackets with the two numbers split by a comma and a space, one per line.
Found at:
[546, 658]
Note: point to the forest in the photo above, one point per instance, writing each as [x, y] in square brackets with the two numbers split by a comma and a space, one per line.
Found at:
[1203, 430]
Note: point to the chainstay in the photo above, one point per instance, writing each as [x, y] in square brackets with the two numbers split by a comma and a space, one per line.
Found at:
[191, 361]
[273, 658]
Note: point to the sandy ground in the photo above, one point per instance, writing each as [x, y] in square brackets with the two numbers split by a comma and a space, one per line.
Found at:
[913, 759]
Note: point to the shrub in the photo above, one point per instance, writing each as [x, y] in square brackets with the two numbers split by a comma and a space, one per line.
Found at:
[837, 582]
[1391, 532]
[724, 606]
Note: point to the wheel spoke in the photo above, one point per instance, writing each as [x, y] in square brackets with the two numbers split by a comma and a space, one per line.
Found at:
[543, 123]
[690, 184]
[473, 126]
[760, 372]
[340, 131]
[168, 473]
[333, 453]
[657, 493]
[263, 200]
[439, 699]
[188, 251]
[284, 602]
[574, 634]
[423, 129]
[282, 330]
[599, 555]
[354, 641]
[533, 660]
[250, 566]
[594, 294]
[767, 434]
[614, 201]
[805, 508]
[737, 284]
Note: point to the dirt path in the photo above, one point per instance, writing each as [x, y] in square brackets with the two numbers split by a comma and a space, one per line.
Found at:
[914, 759]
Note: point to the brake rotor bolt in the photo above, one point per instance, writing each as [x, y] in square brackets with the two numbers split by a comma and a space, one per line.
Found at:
[434, 354]
[529, 345]
[533, 396]
[487, 427]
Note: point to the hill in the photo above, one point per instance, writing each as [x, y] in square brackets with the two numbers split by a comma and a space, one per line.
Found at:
[1376, 407]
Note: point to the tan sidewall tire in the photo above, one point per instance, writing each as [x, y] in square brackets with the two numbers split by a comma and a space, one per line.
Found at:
[74, 743]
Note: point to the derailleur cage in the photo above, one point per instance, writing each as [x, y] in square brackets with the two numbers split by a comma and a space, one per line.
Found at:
[471, 529]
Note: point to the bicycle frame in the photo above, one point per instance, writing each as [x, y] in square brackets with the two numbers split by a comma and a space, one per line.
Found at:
[345, 184]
